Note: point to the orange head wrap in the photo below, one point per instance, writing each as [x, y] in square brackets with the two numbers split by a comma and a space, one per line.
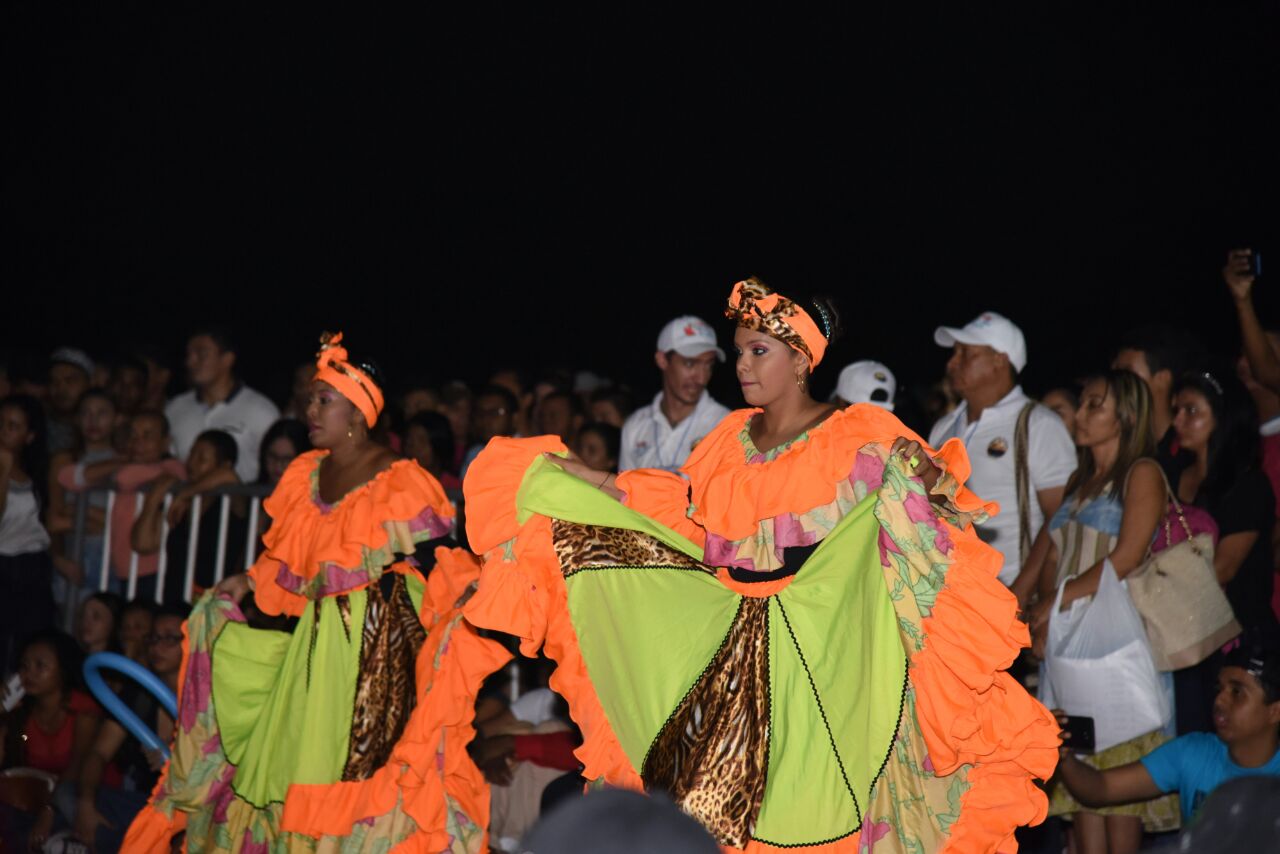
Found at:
[754, 305]
[351, 382]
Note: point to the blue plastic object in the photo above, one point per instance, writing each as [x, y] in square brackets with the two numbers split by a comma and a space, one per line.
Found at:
[112, 702]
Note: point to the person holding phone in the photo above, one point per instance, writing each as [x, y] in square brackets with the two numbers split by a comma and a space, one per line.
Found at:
[1245, 742]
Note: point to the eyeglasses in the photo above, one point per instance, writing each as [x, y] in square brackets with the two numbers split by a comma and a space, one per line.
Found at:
[167, 640]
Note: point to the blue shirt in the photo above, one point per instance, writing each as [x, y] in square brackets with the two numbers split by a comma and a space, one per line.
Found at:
[1196, 764]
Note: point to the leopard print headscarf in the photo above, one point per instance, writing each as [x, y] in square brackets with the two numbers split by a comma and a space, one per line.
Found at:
[754, 305]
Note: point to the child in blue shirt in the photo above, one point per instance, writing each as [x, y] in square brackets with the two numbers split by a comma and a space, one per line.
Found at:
[1246, 717]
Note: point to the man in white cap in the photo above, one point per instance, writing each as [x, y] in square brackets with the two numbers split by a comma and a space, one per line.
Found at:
[865, 382]
[662, 434]
[1006, 434]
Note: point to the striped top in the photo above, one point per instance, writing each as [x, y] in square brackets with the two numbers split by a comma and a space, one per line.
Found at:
[1085, 533]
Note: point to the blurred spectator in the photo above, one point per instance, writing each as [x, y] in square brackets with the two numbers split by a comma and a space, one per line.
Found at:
[610, 406]
[865, 382]
[494, 414]
[96, 421]
[98, 623]
[1064, 402]
[662, 434]
[516, 381]
[26, 598]
[219, 401]
[135, 626]
[558, 414]
[428, 439]
[100, 814]
[455, 404]
[616, 821]
[299, 392]
[70, 375]
[988, 355]
[210, 465]
[148, 458]
[418, 397]
[128, 385]
[598, 446]
[283, 441]
[1160, 354]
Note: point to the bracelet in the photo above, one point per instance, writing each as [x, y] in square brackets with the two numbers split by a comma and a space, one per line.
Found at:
[601, 484]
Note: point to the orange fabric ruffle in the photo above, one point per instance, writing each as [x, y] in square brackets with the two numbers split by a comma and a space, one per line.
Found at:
[730, 496]
[314, 549]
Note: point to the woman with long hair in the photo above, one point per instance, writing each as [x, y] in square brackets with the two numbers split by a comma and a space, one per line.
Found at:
[26, 568]
[1112, 505]
[798, 636]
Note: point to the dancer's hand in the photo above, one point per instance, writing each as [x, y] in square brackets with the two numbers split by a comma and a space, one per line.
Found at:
[918, 462]
[235, 586]
[603, 481]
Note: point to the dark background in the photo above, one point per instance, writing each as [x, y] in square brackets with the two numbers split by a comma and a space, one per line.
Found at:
[460, 190]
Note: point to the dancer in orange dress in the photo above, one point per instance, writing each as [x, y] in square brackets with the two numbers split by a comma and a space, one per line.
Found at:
[799, 636]
[345, 727]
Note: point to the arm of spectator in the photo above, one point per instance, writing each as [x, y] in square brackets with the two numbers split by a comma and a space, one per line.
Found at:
[110, 736]
[83, 737]
[145, 535]
[58, 517]
[1231, 552]
[6, 468]
[221, 476]
[1144, 504]
[98, 474]
[1093, 788]
[1050, 499]
[1238, 275]
[1027, 584]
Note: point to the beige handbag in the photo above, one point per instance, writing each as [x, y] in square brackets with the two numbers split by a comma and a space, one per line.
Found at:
[1186, 614]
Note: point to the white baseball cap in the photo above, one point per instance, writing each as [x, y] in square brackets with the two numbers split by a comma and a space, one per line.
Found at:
[989, 329]
[689, 336]
[867, 382]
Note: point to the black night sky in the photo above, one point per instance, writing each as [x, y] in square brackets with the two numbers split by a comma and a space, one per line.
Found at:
[462, 189]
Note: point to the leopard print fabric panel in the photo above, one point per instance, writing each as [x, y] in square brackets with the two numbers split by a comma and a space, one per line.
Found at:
[386, 690]
[591, 546]
[712, 754]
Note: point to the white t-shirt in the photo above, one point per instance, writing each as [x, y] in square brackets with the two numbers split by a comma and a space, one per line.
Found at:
[1051, 458]
[246, 415]
[650, 442]
[21, 531]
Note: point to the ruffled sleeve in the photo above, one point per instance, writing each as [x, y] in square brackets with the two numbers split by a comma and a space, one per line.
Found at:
[315, 549]
[662, 496]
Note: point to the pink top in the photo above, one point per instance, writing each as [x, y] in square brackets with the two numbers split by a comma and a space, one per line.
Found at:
[130, 480]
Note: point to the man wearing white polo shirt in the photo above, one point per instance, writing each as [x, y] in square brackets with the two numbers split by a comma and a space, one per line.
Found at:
[987, 355]
[219, 401]
[662, 434]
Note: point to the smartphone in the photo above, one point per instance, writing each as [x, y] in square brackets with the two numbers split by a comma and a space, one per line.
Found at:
[1077, 733]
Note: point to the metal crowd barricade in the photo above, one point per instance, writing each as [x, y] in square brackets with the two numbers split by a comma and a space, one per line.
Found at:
[253, 493]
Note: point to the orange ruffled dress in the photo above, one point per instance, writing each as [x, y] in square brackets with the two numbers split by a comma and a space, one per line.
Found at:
[965, 742]
[349, 731]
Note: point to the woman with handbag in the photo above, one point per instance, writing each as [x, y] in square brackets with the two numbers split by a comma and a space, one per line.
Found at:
[1113, 505]
[1215, 421]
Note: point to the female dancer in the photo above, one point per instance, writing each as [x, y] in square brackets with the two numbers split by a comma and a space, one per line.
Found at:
[349, 730]
[799, 637]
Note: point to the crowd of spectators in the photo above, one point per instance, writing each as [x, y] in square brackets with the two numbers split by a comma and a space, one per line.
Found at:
[103, 480]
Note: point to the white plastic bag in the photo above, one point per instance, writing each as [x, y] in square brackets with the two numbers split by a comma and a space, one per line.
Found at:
[1098, 664]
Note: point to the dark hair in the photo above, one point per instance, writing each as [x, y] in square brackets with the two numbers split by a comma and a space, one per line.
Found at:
[618, 397]
[575, 405]
[373, 370]
[115, 604]
[826, 314]
[221, 335]
[503, 392]
[34, 456]
[69, 657]
[181, 610]
[521, 376]
[224, 447]
[138, 605]
[156, 414]
[1137, 439]
[610, 435]
[1165, 347]
[1259, 653]
[1234, 447]
[128, 362]
[454, 391]
[288, 428]
[95, 393]
[439, 436]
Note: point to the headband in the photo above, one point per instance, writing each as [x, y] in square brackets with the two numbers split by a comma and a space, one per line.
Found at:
[353, 383]
[754, 305]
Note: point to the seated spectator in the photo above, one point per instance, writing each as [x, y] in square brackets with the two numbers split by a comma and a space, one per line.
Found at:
[99, 813]
[147, 460]
[494, 414]
[219, 401]
[455, 404]
[610, 406]
[865, 382]
[136, 622]
[52, 728]
[428, 439]
[95, 442]
[1245, 742]
[98, 623]
[598, 445]
[285, 439]
[26, 569]
[210, 465]
[558, 414]
[70, 376]
[1064, 402]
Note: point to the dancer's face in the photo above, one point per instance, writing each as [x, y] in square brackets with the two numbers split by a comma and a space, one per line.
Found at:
[330, 416]
[768, 370]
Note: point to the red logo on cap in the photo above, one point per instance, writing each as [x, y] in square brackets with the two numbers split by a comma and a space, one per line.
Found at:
[688, 329]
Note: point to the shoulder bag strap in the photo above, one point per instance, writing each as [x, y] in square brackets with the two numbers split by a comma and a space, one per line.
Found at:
[1022, 480]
